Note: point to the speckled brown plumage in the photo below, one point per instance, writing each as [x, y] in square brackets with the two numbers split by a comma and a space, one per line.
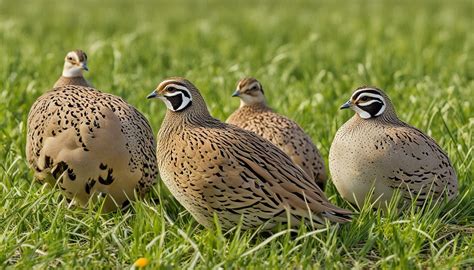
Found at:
[256, 116]
[80, 81]
[216, 168]
[387, 153]
[91, 143]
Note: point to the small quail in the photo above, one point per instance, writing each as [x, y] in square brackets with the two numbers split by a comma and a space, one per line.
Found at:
[213, 168]
[376, 149]
[255, 115]
[90, 143]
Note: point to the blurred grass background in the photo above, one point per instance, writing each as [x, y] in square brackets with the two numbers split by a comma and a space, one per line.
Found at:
[309, 56]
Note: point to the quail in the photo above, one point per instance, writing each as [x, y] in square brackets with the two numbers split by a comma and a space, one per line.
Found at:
[255, 115]
[375, 149]
[74, 63]
[214, 168]
[90, 144]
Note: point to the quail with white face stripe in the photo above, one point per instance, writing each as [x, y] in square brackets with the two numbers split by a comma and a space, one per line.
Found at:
[176, 97]
[255, 115]
[376, 149]
[213, 168]
[368, 103]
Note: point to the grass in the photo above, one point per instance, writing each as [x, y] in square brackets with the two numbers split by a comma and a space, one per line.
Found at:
[308, 55]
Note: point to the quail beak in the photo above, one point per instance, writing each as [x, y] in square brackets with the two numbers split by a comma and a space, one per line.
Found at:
[84, 66]
[236, 93]
[152, 95]
[346, 105]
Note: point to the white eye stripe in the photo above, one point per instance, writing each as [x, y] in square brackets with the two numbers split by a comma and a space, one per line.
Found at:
[177, 86]
[369, 102]
[370, 95]
[173, 94]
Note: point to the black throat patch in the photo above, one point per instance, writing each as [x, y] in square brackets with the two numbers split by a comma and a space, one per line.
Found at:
[373, 108]
[177, 100]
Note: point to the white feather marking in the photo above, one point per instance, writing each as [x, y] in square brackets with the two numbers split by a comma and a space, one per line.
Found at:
[363, 114]
[72, 71]
[167, 103]
[369, 102]
[371, 95]
[185, 100]
[177, 86]
[362, 90]
[166, 82]
[382, 100]
[381, 110]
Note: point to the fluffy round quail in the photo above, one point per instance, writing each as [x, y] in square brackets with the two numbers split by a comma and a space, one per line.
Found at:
[90, 143]
[74, 63]
[256, 116]
[217, 168]
[376, 149]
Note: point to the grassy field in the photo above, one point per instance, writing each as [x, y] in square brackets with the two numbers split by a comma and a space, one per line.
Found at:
[308, 55]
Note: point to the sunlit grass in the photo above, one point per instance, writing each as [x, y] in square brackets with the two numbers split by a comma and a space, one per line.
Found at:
[308, 56]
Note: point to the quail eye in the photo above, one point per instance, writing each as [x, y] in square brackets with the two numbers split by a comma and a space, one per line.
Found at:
[69, 58]
[364, 98]
[171, 89]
